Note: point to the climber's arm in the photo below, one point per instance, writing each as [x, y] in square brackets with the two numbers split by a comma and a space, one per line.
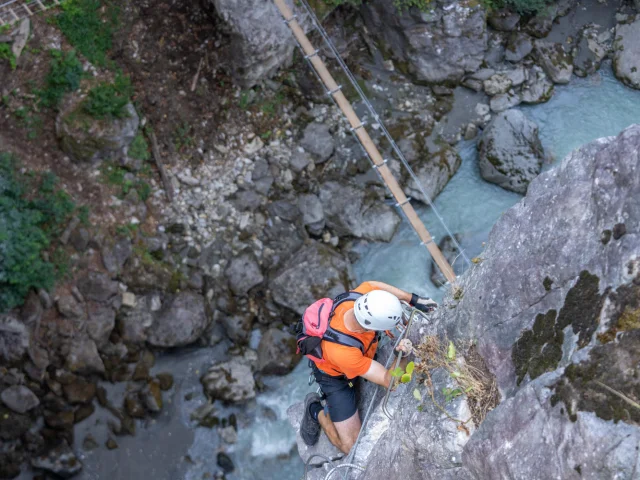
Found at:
[401, 294]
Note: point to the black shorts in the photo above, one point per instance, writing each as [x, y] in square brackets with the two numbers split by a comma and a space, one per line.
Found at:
[340, 394]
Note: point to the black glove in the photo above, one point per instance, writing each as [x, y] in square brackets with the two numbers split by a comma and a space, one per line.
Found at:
[425, 305]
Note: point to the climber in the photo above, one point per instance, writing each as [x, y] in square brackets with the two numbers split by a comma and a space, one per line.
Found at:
[376, 309]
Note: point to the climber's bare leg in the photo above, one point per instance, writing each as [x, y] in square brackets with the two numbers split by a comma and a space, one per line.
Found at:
[341, 434]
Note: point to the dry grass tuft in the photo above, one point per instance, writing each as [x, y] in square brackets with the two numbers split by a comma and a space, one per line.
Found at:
[469, 372]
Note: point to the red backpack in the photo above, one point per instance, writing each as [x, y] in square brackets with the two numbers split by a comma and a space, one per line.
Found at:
[315, 326]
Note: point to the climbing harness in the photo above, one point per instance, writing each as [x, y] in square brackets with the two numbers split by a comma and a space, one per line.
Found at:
[409, 314]
[358, 130]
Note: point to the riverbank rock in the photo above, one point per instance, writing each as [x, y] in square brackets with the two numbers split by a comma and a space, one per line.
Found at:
[243, 273]
[87, 139]
[349, 211]
[503, 20]
[434, 166]
[60, 461]
[519, 46]
[626, 57]
[14, 339]
[437, 47]
[554, 329]
[230, 381]
[260, 41]
[318, 141]
[592, 47]
[277, 352]
[554, 60]
[538, 88]
[182, 319]
[84, 358]
[511, 153]
[311, 273]
[19, 398]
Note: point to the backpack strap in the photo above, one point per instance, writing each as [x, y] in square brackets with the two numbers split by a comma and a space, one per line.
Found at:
[344, 297]
[333, 335]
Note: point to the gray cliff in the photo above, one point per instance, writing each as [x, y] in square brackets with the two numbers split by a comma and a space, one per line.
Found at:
[552, 311]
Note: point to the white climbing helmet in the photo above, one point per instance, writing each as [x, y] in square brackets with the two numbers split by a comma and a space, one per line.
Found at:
[378, 310]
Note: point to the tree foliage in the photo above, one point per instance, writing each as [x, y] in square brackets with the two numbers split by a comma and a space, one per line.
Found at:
[32, 212]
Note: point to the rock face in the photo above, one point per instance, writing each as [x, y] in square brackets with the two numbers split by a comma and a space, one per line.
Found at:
[626, 59]
[350, 211]
[104, 138]
[436, 47]
[511, 154]
[553, 312]
[312, 271]
[261, 42]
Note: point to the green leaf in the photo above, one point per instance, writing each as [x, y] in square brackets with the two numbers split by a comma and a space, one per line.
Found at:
[451, 353]
[455, 374]
[456, 392]
[468, 389]
[397, 372]
[406, 378]
[410, 367]
[420, 408]
[417, 395]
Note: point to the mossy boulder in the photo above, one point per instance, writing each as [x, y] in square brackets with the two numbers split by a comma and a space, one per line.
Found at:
[87, 139]
[626, 58]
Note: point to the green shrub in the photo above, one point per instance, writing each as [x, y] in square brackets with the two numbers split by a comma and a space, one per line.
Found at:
[64, 76]
[7, 54]
[108, 100]
[139, 148]
[27, 226]
[84, 26]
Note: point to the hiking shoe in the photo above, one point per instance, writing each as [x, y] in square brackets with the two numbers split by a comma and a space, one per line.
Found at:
[310, 428]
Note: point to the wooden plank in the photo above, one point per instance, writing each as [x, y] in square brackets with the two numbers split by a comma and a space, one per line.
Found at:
[26, 7]
[16, 17]
[365, 139]
[42, 7]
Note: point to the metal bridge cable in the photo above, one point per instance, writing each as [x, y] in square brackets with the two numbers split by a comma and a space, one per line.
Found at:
[318, 26]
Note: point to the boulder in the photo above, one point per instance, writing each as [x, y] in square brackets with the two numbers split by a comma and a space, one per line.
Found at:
[79, 391]
[435, 47]
[350, 211]
[14, 339]
[115, 256]
[318, 141]
[19, 398]
[540, 25]
[83, 357]
[230, 381]
[97, 286]
[312, 212]
[277, 352]
[626, 57]
[182, 319]
[243, 273]
[13, 425]
[143, 273]
[310, 273]
[435, 164]
[554, 60]
[519, 46]
[497, 84]
[87, 139]
[69, 307]
[100, 322]
[503, 20]
[238, 328]
[505, 101]
[511, 154]
[260, 42]
[538, 88]
[60, 461]
[591, 48]
[134, 322]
